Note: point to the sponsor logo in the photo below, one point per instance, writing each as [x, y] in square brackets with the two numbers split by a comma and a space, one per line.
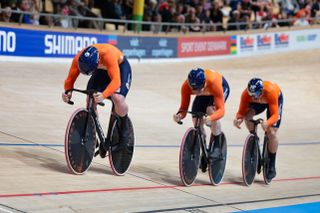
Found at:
[305, 38]
[135, 52]
[198, 46]
[264, 41]
[135, 42]
[246, 43]
[7, 41]
[203, 46]
[112, 39]
[163, 42]
[163, 51]
[66, 45]
[281, 39]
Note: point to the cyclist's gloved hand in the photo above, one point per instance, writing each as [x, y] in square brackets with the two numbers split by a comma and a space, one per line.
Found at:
[264, 125]
[98, 98]
[177, 117]
[237, 122]
[66, 97]
[208, 121]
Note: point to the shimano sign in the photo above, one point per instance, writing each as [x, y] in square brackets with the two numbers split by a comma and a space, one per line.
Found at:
[40, 43]
[66, 44]
[7, 41]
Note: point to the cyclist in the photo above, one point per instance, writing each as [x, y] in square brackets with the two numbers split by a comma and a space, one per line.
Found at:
[258, 96]
[211, 90]
[110, 75]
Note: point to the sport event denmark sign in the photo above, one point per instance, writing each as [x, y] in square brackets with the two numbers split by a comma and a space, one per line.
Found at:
[203, 46]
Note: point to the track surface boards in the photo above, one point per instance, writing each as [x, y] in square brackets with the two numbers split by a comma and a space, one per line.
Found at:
[34, 175]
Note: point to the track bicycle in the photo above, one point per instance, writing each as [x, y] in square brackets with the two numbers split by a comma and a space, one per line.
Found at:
[252, 158]
[193, 146]
[82, 144]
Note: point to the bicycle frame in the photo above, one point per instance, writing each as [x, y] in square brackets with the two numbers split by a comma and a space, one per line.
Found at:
[257, 140]
[199, 132]
[92, 112]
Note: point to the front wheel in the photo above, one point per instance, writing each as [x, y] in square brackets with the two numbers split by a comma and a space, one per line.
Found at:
[217, 165]
[249, 160]
[80, 141]
[189, 157]
[121, 154]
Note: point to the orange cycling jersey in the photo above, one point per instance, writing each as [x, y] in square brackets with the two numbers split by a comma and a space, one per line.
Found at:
[109, 59]
[213, 87]
[270, 95]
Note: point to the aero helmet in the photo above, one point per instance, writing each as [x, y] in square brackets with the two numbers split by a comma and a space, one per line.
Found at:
[196, 79]
[88, 60]
[255, 87]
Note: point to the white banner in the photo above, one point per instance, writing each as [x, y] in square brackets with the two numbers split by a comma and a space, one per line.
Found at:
[252, 44]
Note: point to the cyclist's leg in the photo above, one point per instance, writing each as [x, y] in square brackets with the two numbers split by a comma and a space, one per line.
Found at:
[249, 116]
[272, 131]
[200, 104]
[273, 139]
[98, 82]
[216, 125]
[272, 148]
[120, 105]
[119, 98]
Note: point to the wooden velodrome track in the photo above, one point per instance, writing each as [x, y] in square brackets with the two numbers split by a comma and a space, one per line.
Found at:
[34, 176]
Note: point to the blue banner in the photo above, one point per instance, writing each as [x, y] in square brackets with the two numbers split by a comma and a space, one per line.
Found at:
[37, 43]
[147, 47]
[40, 43]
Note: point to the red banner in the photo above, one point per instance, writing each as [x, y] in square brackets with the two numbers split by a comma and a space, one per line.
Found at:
[203, 46]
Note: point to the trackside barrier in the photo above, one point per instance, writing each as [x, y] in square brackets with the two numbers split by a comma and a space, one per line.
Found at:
[48, 44]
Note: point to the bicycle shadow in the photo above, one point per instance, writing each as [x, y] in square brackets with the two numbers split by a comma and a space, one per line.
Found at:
[156, 175]
[234, 180]
[51, 163]
[97, 168]
[225, 181]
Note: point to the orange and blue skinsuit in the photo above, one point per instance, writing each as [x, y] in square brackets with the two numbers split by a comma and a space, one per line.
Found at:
[216, 88]
[270, 98]
[112, 67]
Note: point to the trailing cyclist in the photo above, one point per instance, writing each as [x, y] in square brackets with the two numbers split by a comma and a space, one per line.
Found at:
[258, 96]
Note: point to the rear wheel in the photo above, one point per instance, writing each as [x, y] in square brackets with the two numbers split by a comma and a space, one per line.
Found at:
[189, 157]
[249, 160]
[266, 161]
[121, 154]
[217, 165]
[80, 141]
